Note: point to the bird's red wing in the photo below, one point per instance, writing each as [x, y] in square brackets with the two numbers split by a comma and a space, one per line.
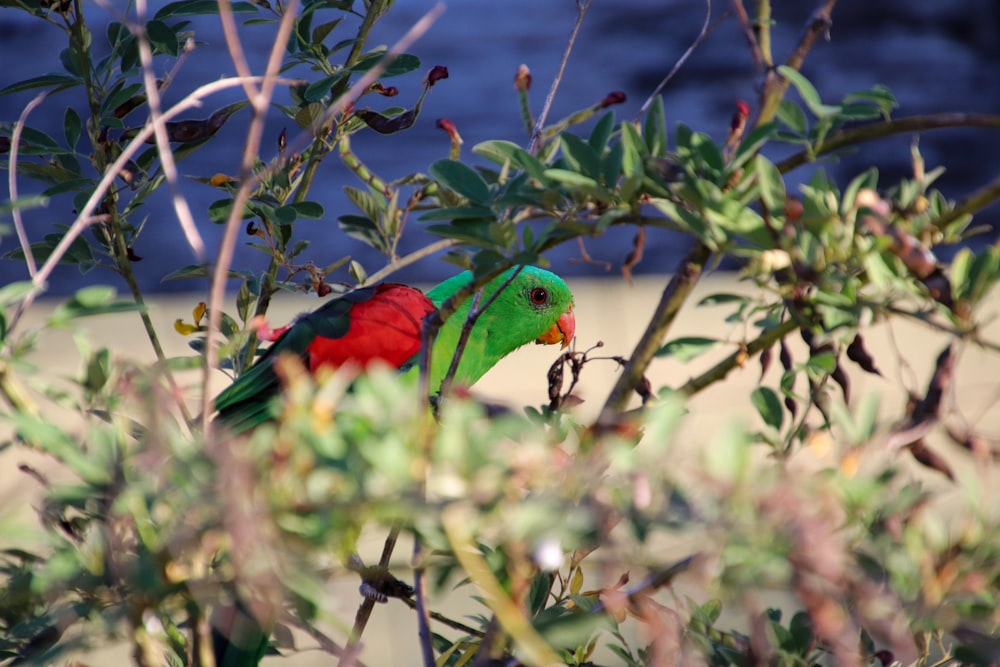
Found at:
[386, 327]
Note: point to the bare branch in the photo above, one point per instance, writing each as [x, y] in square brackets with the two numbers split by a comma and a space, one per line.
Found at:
[181, 207]
[581, 11]
[706, 29]
[15, 144]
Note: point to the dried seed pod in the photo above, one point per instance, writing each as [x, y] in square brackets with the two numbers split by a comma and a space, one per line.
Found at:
[765, 361]
[927, 457]
[555, 379]
[785, 356]
[857, 353]
[840, 377]
[385, 124]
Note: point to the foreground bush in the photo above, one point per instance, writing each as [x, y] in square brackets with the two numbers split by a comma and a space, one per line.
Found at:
[554, 525]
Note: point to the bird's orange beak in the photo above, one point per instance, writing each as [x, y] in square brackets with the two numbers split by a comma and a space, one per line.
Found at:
[560, 332]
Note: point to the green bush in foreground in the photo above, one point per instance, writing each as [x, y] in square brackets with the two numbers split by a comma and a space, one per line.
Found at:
[556, 527]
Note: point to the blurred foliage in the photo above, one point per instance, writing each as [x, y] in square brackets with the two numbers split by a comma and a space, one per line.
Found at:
[569, 534]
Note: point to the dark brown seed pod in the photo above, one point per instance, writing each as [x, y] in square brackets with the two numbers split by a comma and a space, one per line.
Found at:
[857, 353]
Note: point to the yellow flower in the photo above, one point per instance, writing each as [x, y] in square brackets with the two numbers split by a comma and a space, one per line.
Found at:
[198, 313]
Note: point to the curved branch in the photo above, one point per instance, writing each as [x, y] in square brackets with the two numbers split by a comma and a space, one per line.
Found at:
[873, 131]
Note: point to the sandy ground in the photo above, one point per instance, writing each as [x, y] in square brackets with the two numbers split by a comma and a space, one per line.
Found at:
[607, 310]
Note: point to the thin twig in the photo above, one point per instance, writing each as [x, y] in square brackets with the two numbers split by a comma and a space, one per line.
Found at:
[15, 144]
[702, 34]
[406, 260]
[581, 11]
[475, 312]
[748, 32]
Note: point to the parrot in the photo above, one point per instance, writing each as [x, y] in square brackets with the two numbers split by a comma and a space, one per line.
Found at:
[383, 323]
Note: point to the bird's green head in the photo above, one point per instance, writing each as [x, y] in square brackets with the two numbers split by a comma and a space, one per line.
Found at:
[534, 305]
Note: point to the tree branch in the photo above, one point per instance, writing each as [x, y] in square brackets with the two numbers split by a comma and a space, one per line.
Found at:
[674, 296]
[872, 131]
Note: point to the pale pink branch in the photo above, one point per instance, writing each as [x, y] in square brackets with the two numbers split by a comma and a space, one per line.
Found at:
[184, 216]
[235, 46]
[15, 144]
[85, 217]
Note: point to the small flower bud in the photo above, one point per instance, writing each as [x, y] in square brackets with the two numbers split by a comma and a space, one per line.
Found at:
[449, 127]
[616, 97]
[740, 116]
[437, 73]
[522, 78]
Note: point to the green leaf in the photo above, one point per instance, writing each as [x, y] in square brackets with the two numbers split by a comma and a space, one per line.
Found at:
[768, 406]
[198, 7]
[655, 128]
[14, 292]
[404, 63]
[218, 211]
[580, 155]
[824, 363]
[285, 215]
[90, 301]
[634, 149]
[752, 144]
[723, 298]
[770, 183]
[24, 203]
[308, 209]
[45, 436]
[72, 127]
[687, 348]
[807, 92]
[53, 81]
[462, 179]
[163, 37]
[791, 114]
[459, 213]
[601, 133]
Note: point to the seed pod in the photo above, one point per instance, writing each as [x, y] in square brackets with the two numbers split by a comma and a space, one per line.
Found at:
[384, 124]
[840, 377]
[765, 361]
[857, 353]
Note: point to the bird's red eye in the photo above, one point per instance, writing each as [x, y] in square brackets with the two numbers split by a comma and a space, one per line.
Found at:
[539, 296]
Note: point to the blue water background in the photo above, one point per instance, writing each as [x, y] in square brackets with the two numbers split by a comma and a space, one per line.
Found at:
[934, 56]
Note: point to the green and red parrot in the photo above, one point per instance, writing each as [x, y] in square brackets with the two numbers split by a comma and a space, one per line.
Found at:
[383, 324]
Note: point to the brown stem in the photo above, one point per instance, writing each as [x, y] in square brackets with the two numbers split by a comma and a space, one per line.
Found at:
[674, 296]
[856, 135]
[776, 86]
[721, 369]
[748, 32]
